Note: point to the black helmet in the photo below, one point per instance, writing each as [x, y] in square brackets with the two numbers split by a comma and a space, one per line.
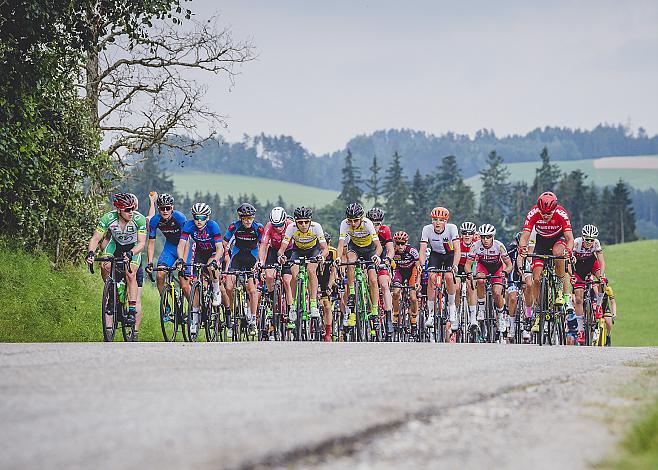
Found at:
[354, 211]
[375, 214]
[165, 199]
[246, 210]
[303, 213]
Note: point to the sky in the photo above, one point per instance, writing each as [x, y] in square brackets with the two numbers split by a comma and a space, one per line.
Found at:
[327, 71]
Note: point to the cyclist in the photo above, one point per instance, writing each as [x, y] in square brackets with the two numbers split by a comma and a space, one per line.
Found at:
[589, 259]
[553, 236]
[359, 235]
[170, 222]
[309, 242]
[468, 232]
[406, 269]
[492, 260]
[247, 234]
[201, 242]
[443, 240]
[519, 281]
[127, 229]
[326, 278]
[376, 216]
[273, 234]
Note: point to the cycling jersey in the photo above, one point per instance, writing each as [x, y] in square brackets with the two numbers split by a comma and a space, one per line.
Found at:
[407, 259]
[171, 229]
[204, 240]
[464, 251]
[581, 252]
[361, 236]
[246, 238]
[126, 235]
[442, 243]
[555, 227]
[493, 255]
[272, 236]
[305, 240]
[384, 234]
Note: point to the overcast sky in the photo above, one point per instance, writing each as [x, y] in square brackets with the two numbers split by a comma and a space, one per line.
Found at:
[327, 71]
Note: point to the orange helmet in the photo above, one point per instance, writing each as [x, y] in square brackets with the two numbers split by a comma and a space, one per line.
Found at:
[401, 237]
[440, 213]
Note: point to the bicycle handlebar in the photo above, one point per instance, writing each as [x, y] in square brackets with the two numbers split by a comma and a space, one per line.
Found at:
[534, 255]
[110, 259]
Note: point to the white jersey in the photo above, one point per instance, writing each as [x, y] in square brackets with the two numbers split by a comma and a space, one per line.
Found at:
[581, 252]
[443, 242]
[362, 236]
[495, 254]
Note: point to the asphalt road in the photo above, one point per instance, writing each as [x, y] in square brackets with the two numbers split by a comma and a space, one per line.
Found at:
[307, 405]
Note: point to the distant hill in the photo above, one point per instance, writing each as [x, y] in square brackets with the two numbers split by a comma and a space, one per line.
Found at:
[283, 158]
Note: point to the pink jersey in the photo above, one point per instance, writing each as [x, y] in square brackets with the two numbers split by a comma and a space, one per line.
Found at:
[273, 236]
[555, 227]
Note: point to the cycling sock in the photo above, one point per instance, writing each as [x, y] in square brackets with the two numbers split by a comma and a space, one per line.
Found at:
[528, 312]
[314, 303]
[373, 309]
[581, 323]
[215, 287]
[327, 330]
[512, 326]
[451, 299]
[132, 306]
[430, 307]
[471, 313]
[351, 290]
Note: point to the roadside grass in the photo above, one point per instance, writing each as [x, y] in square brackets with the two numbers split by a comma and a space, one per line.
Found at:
[633, 274]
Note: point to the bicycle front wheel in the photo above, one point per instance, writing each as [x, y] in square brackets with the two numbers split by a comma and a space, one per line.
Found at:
[109, 310]
[168, 314]
[194, 318]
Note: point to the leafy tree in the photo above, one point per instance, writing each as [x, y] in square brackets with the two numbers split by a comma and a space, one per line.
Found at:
[396, 188]
[620, 212]
[547, 175]
[450, 191]
[420, 197]
[373, 183]
[520, 203]
[571, 193]
[351, 191]
[494, 198]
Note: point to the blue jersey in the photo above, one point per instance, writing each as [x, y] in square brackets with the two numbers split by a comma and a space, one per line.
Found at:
[204, 239]
[246, 238]
[171, 229]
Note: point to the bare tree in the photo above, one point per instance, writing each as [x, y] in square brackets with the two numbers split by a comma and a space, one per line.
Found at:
[140, 87]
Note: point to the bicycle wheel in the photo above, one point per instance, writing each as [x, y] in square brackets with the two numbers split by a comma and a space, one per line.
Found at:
[211, 320]
[168, 314]
[336, 318]
[194, 318]
[127, 329]
[109, 310]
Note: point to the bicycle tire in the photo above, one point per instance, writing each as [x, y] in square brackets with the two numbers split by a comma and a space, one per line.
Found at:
[195, 290]
[109, 304]
[211, 320]
[168, 314]
[127, 329]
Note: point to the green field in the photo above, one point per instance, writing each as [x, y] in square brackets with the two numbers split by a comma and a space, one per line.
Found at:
[264, 189]
[525, 171]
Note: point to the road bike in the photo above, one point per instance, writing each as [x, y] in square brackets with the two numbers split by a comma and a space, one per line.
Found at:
[114, 307]
[368, 327]
[306, 328]
[489, 325]
[240, 301]
[441, 315]
[550, 313]
[272, 308]
[402, 324]
[172, 317]
[462, 310]
[201, 312]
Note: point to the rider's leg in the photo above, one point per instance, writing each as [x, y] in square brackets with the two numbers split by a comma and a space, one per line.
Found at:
[479, 279]
[252, 289]
[287, 287]
[512, 302]
[471, 295]
[431, 297]
[451, 288]
[313, 288]
[160, 280]
[374, 290]
[395, 300]
[413, 300]
[579, 295]
[499, 301]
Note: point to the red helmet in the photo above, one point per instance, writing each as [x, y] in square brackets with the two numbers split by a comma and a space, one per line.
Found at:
[547, 202]
[401, 237]
[123, 200]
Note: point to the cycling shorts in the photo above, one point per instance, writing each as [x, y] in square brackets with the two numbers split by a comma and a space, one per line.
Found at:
[117, 250]
[491, 270]
[168, 256]
[442, 261]
[297, 253]
[242, 260]
[583, 268]
[544, 246]
[406, 274]
[363, 253]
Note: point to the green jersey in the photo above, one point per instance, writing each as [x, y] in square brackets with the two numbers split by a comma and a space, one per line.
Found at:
[126, 236]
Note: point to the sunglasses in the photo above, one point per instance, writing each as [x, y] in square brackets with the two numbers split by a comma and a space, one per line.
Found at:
[353, 221]
[303, 221]
[247, 219]
[201, 218]
[468, 232]
[128, 209]
[485, 237]
[400, 243]
[589, 239]
[166, 208]
[439, 219]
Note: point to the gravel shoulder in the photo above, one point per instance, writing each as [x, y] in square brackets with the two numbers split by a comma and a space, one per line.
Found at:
[302, 405]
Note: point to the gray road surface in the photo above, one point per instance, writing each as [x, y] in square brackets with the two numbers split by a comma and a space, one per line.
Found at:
[306, 405]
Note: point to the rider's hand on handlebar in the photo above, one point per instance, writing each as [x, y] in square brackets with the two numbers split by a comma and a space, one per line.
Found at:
[282, 259]
[320, 259]
[149, 268]
[90, 257]
[523, 249]
[337, 262]
[179, 264]
[376, 259]
[127, 256]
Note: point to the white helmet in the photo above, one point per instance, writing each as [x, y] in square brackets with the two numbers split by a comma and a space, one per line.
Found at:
[278, 216]
[487, 229]
[590, 231]
[467, 227]
[201, 208]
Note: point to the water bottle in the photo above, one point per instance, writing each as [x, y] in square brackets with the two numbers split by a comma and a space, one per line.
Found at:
[121, 291]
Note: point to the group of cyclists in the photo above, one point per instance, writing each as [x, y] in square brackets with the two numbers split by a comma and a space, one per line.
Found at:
[447, 259]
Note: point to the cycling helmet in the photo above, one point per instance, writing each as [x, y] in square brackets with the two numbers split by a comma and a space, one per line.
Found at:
[278, 216]
[165, 199]
[487, 229]
[401, 237]
[303, 213]
[440, 213]
[327, 237]
[354, 211]
[123, 200]
[201, 208]
[467, 227]
[375, 214]
[590, 231]
[547, 202]
[246, 210]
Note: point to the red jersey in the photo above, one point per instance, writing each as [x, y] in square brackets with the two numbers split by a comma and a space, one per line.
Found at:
[384, 234]
[272, 237]
[555, 227]
[465, 249]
